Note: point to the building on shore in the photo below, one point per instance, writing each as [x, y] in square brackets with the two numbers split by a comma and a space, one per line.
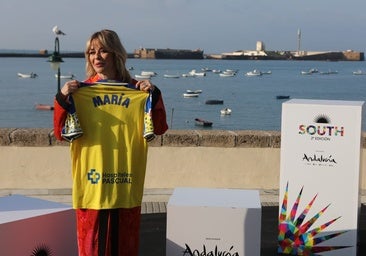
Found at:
[150, 53]
[260, 53]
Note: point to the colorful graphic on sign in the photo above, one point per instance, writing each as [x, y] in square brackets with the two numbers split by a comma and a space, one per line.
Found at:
[296, 237]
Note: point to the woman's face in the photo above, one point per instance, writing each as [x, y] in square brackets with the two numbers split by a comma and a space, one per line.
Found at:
[101, 60]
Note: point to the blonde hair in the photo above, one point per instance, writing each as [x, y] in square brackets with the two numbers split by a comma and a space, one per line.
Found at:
[111, 43]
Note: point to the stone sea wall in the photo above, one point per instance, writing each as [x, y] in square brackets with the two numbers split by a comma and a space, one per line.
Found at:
[33, 159]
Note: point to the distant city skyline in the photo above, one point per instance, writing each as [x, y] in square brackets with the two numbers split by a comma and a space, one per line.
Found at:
[212, 25]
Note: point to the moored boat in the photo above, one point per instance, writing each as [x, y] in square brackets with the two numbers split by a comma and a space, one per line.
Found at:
[359, 72]
[43, 107]
[225, 111]
[227, 74]
[190, 95]
[329, 72]
[30, 75]
[255, 72]
[148, 73]
[282, 97]
[171, 76]
[195, 91]
[214, 102]
[71, 76]
[142, 76]
[194, 72]
[202, 122]
[310, 71]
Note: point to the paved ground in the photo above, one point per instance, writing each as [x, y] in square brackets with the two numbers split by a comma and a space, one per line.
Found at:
[153, 225]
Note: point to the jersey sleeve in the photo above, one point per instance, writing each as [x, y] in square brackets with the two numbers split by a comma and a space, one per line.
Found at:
[59, 115]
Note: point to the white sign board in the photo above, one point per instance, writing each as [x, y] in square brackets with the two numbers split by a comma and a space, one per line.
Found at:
[320, 177]
[204, 221]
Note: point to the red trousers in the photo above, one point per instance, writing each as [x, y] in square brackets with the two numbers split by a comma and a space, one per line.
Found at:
[109, 232]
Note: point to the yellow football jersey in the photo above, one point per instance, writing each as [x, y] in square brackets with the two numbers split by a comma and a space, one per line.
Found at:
[109, 159]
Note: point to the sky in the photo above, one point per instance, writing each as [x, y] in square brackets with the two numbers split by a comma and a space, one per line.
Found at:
[216, 26]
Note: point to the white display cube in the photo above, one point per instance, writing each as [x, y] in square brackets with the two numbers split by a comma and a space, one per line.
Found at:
[320, 177]
[201, 221]
[30, 225]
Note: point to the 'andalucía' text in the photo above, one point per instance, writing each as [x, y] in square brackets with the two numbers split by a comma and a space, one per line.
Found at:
[215, 252]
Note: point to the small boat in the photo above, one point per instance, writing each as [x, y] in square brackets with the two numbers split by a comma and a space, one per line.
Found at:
[216, 71]
[71, 76]
[231, 70]
[30, 75]
[187, 75]
[359, 72]
[227, 74]
[43, 107]
[142, 76]
[202, 122]
[214, 102]
[313, 70]
[225, 111]
[193, 72]
[148, 73]
[190, 95]
[195, 91]
[310, 71]
[269, 72]
[282, 97]
[255, 72]
[329, 72]
[306, 73]
[171, 76]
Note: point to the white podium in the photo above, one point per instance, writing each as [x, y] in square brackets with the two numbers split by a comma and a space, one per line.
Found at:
[201, 221]
[29, 226]
[320, 177]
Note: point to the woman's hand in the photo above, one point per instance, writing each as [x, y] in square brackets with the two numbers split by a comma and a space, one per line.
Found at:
[70, 87]
[145, 85]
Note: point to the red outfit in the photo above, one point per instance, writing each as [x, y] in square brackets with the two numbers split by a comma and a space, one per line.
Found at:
[109, 232]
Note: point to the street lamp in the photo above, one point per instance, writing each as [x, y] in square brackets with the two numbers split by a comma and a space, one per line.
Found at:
[55, 61]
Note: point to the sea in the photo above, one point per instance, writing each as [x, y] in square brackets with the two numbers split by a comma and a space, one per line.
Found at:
[253, 100]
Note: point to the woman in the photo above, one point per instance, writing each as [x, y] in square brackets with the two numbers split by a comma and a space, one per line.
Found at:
[109, 159]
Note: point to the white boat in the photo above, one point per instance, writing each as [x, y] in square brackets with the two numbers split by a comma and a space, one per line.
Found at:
[171, 76]
[359, 72]
[190, 95]
[306, 73]
[329, 72]
[148, 73]
[194, 72]
[231, 70]
[227, 74]
[310, 71]
[255, 72]
[216, 71]
[225, 111]
[206, 69]
[71, 76]
[187, 75]
[30, 75]
[142, 76]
